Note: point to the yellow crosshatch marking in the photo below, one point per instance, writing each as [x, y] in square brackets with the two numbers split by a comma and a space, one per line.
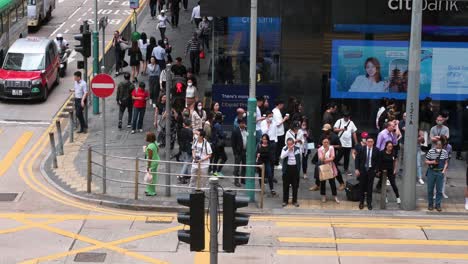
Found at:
[14, 152]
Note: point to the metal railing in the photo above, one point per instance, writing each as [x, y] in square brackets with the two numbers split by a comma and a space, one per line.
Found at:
[137, 172]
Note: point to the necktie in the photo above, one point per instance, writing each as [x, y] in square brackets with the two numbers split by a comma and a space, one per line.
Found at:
[368, 158]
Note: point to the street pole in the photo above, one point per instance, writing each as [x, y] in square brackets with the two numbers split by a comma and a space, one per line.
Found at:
[252, 102]
[412, 109]
[96, 54]
[85, 66]
[213, 220]
[168, 127]
[104, 150]
[104, 25]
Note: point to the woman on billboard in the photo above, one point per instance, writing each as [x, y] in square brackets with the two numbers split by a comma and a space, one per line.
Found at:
[372, 81]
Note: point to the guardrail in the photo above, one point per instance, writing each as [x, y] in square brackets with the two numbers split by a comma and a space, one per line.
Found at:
[138, 174]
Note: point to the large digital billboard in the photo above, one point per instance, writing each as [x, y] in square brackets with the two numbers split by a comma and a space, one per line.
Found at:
[375, 69]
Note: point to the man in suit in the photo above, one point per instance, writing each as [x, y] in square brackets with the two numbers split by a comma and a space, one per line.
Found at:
[366, 164]
[291, 156]
[239, 147]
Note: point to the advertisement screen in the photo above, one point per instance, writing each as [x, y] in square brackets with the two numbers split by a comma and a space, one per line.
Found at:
[376, 69]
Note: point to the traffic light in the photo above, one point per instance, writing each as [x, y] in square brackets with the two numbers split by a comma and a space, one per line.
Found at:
[232, 220]
[195, 218]
[179, 88]
[85, 44]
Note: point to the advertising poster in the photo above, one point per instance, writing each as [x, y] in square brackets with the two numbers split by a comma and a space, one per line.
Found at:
[376, 69]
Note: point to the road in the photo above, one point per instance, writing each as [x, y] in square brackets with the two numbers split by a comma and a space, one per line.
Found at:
[39, 224]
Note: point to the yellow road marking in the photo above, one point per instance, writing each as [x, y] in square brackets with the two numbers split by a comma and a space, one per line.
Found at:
[372, 254]
[373, 241]
[26, 227]
[357, 219]
[204, 256]
[114, 243]
[93, 241]
[14, 152]
[383, 226]
[85, 217]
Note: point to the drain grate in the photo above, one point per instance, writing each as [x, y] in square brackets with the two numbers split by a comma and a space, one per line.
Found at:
[90, 257]
[8, 197]
[159, 220]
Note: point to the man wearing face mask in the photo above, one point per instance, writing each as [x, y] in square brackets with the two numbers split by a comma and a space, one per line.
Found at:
[346, 131]
[439, 130]
[269, 127]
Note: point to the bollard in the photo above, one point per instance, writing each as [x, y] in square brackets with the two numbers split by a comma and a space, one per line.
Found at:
[198, 175]
[213, 220]
[383, 190]
[89, 172]
[60, 138]
[136, 178]
[262, 186]
[71, 127]
[53, 151]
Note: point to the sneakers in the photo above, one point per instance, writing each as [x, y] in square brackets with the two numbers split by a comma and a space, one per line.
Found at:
[120, 125]
[129, 125]
[421, 181]
[133, 132]
[398, 200]
[445, 196]
[219, 174]
[279, 167]
[388, 183]
[466, 205]
[141, 130]
[215, 174]
[342, 187]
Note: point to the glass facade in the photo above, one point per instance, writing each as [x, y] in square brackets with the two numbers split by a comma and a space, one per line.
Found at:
[320, 51]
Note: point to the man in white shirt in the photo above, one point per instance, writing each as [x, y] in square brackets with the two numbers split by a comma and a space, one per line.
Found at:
[201, 153]
[81, 93]
[259, 119]
[346, 131]
[160, 54]
[196, 15]
[279, 121]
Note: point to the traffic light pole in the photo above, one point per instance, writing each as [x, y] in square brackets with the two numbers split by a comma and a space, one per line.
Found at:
[85, 66]
[96, 54]
[412, 109]
[252, 102]
[213, 220]
[168, 128]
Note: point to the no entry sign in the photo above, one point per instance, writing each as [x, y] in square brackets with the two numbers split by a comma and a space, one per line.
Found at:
[103, 85]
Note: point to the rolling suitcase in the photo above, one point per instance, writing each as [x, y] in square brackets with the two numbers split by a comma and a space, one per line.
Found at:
[353, 192]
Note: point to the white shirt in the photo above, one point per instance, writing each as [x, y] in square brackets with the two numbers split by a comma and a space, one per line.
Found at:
[278, 119]
[298, 136]
[190, 92]
[258, 122]
[346, 136]
[159, 53]
[369, 154]
[142, 45]
[61, 44]
[244, 135]
[195, 12]
[202, 150]
[363, 84]
[290, 155]
[269, 130]
[80, 89]
[162, 20]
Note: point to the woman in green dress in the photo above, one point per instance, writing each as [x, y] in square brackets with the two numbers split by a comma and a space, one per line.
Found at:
[153, 157]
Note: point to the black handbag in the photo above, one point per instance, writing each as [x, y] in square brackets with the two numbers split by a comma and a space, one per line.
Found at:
[315, 159]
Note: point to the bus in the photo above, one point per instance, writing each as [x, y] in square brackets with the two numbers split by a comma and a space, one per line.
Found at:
[39, 11]
[13, 23]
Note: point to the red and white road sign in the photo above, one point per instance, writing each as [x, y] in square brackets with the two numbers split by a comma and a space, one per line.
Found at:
[103, 85]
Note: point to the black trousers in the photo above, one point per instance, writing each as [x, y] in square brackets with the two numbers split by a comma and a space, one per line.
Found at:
[272, 164]
[279, 147]
[392, 179]
[366, 184]
[205, 38]
[323, 187]
[240, 158]
[162, 31]
[118, 60]
[219, 156]
[138, 116]
[291, 177]
[126, 105]
[153, 8]
[197, 21]
[195, 61]
[79, 114]
[175, 18]
[344, 152]
[185, 3]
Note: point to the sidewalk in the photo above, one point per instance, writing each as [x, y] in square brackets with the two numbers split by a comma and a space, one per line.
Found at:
[72, 179]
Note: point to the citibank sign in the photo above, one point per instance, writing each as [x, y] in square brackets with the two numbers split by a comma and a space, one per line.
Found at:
[434, 5]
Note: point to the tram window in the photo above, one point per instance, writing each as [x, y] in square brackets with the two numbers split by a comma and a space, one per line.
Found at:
[5, 22]
[13, 16]
[31, 2]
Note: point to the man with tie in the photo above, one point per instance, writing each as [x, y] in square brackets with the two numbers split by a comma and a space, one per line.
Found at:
[366, 164]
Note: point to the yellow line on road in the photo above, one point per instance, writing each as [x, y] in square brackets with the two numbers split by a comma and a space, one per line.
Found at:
[358, 220]
[324, 240]
[89, 240]
[88, 217]
[113, 243]
[25, 227]
[14, 152]
[371, 254]
[382, 226]
[204, 257]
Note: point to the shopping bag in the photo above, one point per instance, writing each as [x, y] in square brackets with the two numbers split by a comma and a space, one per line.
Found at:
[148, 177]
[326, 172]
[202, 54]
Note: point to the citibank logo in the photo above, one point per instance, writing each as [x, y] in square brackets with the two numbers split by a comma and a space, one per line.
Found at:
[435, 5]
